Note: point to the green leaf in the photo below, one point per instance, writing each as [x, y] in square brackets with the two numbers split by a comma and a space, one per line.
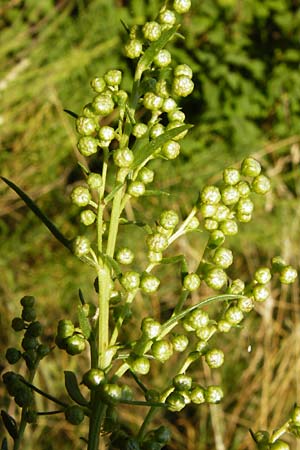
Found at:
[84, 323]
[71, 113]
[4, 444]
[155, 192]
[36, 210]
[10, 425]
[73, 388]
[150, 148]
[114, 265]
[111, 195]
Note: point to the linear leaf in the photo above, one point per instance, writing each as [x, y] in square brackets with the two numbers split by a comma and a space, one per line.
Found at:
[84, 322]
[10, 424]
[73, 388]
[111, 195]
[71, 113]
[4, 444]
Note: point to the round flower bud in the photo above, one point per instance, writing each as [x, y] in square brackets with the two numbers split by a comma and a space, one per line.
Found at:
[23, 396]
[43, 350]
[205, 333]
[280, 445]
[261, 185]
[214, 358]
[191, 282]
[126, 395]
[34, 329]
[193, 224]
[245, 206]
[93, 378]
[113, 392]
[65, 328]
[224, 326]
[245, 304]
[183, 70]
[216, 279]
[196, 319]
[27, 301]
[182, 86]
[75, 344]
[201, 346]
[81, 196]
[223, 257]
[88, 111]
[74, 414]
[28, 314]
[234, 315]
[261, 293]
[296, 416]
[87, 145]
[150, 327]
[210, 195]
[229, 227]
[139, 130]
[17, 324]
[156, 130]
[222, 213]
[162, 435]
[146, 175]
[167, 17]
[12, 355]
[197, 395]
[87, 217]
[124, 256]
[157, 242]
[182, 382]
[152, 101]
[162, 350]
[113, 77]
[121, 97]
[250, 167]
[136, 189]
[216, 239]
[81, 246]
[244, 189]
[278, 264]
[181, 6]
[133, 49]
[288, 275]
[243, 218]
[152, 31]
[231, 176]
[213, 394]
[154, 257]
[162, 58]
[103, 104]
[262, 437]
[208, 210]
[176, 124]
[169, 105]
[180, 342]
[175, 401]
[263, 275]
[149, 283]
[162, 89]
[176, 116]
[230, 195]
[85, 126]
[106, 133]
[98, 84]
[169, 219]
[171, 149]
[130, 281]
[123, 157]
[140, 365]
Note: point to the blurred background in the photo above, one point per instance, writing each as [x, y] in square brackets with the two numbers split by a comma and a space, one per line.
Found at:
[245, 56]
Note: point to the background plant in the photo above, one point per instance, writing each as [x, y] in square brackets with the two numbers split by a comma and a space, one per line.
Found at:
[283, 156]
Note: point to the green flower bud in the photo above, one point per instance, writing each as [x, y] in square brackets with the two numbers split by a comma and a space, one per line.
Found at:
[130, 281]
[75, 344]
[262, 437]
[27, 301]
[85, 126]
[162, 350]
[169, 105]
[34, 329]
[280, 445]
[74, 414]
[31, 416]
[182, 6]
[229, 227]
[154, 257]
[197, 395]
[98, 84]
[183, 70]
[162, 58]
[210, 195]
[87, 145]
[123, 157]
[214, 358]
[244, 218]
[182, 86]
[157, 130]
[234, 315]
[103, 104]
[191, 282]
[93, 378]
[23, 396]
[162, 435]
[231, 176]
[180, 342]
[193, 224]
[263, 275]
[224, 326]
[43, 350]
[216, 279]
[65, 328]
[237, 287]
[120, 98]
[152, 101]
[126, 395]
[245, 206]
[106, 133]
[133, 49]
[175, 401]
[278, 264]
[261, 293]
[113, 77]
[295, 416]
[223, 257]
[81, 196]
[210, 224]
[150, 327]
[196, 319]
[182, 382]
[113, 392]
[12, 355]
[261, 185]
[124, 256]
[245, 304]
[87, 217]
[213, 394]
[140, 365]
[244, 189]
[139, 130]
[205, 333]
[168, 219]
[167, 17]
[81, 246]
[230, 195]
[28, 314]
[146, 175]
[288, 275]
[30, 358]
[17, 324]
[88, 111]
[157, 242]
[222, 213]
[162, 89]
[149, 283]
[170, 149]
[250, 167]
[216, 239]
[152, 31]
[201, 346]
[136, 189]
[208, 210]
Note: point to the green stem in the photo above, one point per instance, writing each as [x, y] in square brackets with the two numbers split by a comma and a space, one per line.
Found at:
[282, 430]
[147, 420]
[103, 322]
[98, 410]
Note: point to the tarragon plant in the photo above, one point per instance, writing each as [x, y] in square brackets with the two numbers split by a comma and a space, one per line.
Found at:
[128, 130]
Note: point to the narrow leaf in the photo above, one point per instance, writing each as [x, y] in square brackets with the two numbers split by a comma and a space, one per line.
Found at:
[146, 226]
[73, 388]
[114, 265]
[111, 195]
[36, 210]
[4, 444]
[71, 113]
[84, 322]
[155, 192]
[10, 424]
